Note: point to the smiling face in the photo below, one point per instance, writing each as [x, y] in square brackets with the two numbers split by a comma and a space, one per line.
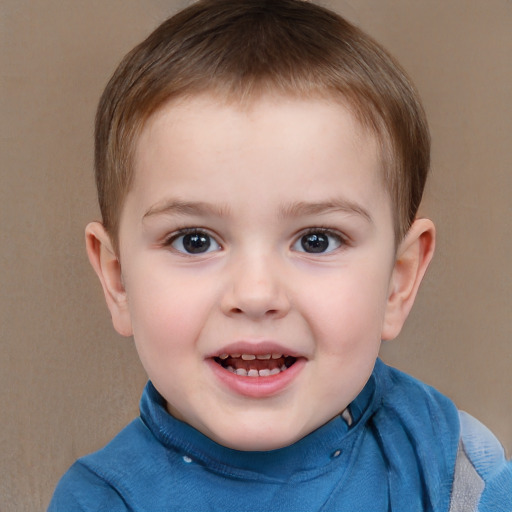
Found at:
[257, 261]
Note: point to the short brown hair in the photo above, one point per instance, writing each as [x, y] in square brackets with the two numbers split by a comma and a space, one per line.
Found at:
[241, 47]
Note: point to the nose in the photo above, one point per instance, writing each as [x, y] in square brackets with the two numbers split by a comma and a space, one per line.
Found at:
[256, 289]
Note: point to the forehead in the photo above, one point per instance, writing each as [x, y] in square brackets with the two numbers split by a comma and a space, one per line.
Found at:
[264, 146]
[204, 120]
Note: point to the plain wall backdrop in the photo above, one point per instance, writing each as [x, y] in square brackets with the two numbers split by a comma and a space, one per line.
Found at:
[68, 382]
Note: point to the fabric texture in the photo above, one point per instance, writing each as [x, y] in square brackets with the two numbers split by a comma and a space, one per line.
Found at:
[468, 485]
[485, 454]
[398, 454]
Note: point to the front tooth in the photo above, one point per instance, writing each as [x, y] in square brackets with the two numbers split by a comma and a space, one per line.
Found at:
[263, 356]
[235, 356]
[231, 369]
[223, 356]
[277, 356]
[275, 371]
[264, 373]
[283, 368]
[248, 357]
[241, 371]
[252, 373]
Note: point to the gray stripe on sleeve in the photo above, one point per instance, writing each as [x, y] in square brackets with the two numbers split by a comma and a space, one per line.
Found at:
[467, 484]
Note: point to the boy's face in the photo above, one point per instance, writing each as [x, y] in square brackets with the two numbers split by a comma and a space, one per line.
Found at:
[264, 231]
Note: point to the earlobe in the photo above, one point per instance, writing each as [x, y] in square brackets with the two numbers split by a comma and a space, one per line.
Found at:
[412, 260]
[108, 269]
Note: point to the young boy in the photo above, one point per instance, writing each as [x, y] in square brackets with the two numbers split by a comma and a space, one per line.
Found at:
[259, 166]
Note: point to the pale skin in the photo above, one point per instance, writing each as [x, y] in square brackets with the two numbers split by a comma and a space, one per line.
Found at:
[288, 249]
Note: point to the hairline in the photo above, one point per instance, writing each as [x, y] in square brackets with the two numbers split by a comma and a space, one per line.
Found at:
[187, 55]
[244, 100]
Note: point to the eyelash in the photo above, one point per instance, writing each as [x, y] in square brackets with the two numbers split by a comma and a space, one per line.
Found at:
[181, 233]
[340, 238]
[322, 236]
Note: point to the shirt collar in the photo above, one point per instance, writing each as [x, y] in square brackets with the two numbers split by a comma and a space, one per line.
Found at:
[315, 451]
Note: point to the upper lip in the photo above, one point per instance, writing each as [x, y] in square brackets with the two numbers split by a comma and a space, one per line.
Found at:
[255, 348]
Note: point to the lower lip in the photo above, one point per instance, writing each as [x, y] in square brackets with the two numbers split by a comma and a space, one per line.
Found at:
[257, 387]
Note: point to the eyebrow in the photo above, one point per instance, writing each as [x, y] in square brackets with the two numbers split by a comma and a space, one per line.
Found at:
[297, 209]
[303, 208]
[177, 207]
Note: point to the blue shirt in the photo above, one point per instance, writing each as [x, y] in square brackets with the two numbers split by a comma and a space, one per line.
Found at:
[399, 453]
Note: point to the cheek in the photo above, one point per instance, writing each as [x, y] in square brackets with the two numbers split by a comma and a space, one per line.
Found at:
[168, 313]
[347, 310]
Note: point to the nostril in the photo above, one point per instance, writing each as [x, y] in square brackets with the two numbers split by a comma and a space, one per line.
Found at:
[255, 302]
[270, 312]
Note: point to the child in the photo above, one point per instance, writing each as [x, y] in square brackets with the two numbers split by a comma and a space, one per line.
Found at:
[259, 166]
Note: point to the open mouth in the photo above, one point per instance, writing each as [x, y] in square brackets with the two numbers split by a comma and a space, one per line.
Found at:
[255, 365]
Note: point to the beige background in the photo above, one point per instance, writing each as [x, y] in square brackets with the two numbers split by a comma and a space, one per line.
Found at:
[68, 383]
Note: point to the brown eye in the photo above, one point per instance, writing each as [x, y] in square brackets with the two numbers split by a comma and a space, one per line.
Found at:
[315, 242]
[318, 242]
[195, 242]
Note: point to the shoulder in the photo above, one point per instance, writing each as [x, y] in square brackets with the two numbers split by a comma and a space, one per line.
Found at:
[419, 408]
[483, 476]
[418, 432]
[104, 480]
[465, 457]
[80, 489]
[470, 453]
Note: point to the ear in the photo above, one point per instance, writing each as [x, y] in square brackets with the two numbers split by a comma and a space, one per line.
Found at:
[106, 265]
[413, 257]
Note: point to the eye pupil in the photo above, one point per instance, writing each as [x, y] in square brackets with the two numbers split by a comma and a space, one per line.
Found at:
[196, 243]
[315, 242]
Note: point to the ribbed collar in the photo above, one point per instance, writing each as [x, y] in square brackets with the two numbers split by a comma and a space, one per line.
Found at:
[331, 442]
